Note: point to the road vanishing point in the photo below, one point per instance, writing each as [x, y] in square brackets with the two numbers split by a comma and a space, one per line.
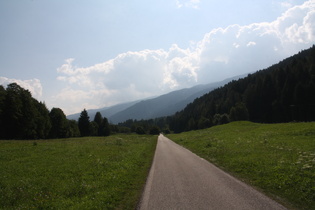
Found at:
[179, 179]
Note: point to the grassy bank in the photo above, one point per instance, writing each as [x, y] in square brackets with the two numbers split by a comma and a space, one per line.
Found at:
[81, 173]
[277, 158]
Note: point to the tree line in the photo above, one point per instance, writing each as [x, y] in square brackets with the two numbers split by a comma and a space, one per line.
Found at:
[23, 117]
[151, 126]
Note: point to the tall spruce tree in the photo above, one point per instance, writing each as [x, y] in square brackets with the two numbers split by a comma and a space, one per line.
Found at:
[84, 123]
[98, 119]
[106, 127]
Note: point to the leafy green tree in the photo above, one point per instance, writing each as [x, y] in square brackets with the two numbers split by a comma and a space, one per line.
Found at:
[84, 123]
[216, 119]
[121, 129]
[224, 119]
[220, 119]
[22, 116]
[20, 112]
[12, 114]
[29, 113]
[73, 128]
[94, 128]
[155, 130]
[140, 130]
[59, 124]
[43, 121]
[167, 131]
[239, 112]
[204, 123]
[2, 109]
[116, 129]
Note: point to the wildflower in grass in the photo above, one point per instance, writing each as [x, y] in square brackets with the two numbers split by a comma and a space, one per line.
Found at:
[306, 166]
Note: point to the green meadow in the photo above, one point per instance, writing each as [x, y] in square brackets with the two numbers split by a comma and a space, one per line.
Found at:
[278, 159]
[76, 173]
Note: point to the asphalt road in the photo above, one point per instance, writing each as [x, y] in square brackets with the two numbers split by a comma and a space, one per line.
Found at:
[179, 179]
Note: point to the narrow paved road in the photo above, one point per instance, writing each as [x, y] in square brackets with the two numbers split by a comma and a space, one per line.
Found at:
[180, 179]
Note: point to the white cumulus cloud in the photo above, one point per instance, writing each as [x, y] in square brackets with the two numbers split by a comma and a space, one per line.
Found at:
[129, 76]
[242, 49]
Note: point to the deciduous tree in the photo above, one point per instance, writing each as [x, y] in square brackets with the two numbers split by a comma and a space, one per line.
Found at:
[59, 124]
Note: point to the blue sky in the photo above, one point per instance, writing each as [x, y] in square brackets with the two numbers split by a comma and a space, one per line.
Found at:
[90, 54]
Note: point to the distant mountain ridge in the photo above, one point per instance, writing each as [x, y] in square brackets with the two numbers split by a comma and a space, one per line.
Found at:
[164, 105]
[167, 104]
[106, 111]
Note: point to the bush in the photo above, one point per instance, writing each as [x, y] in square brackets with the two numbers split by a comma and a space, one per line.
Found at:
[140, 130]
[219, 119]
[155, 130]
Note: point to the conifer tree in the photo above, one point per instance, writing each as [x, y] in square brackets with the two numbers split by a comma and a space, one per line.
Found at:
[98, 119]
[84, 123]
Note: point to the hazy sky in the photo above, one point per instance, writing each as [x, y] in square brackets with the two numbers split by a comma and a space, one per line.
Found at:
[76, 54]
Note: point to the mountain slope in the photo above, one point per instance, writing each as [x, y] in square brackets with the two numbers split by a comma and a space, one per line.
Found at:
[281, 93]
[167, 104]
[106, 111]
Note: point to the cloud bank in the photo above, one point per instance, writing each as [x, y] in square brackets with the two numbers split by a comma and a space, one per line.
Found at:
[33, 85]
[222, 53]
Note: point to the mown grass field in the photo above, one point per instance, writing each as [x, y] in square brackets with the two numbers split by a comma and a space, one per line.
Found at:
[77, 173]
[279, 159]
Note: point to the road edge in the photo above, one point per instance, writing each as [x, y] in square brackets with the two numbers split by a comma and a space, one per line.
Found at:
[144, 199]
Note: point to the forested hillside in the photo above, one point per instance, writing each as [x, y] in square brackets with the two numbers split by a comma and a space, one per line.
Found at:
[284, 92]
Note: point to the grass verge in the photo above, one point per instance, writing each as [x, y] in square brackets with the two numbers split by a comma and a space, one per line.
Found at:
[77, 173]
[277, 158]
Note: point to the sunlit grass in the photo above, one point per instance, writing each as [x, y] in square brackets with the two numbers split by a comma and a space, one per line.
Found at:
[277, 158]
[81, 173]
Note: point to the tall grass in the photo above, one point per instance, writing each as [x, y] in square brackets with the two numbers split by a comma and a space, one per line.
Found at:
[277, 158]
[77, 173]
